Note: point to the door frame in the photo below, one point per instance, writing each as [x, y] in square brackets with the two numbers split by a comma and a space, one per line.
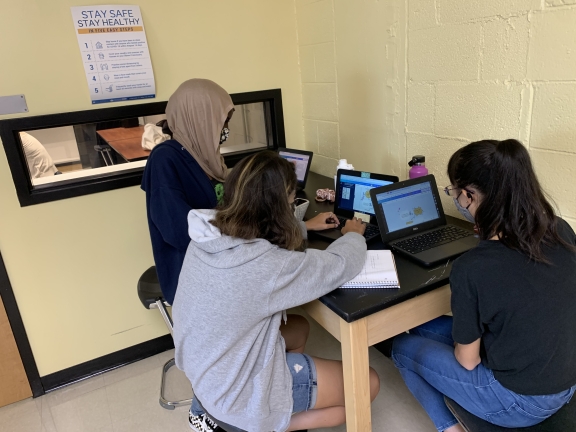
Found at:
[19, 332]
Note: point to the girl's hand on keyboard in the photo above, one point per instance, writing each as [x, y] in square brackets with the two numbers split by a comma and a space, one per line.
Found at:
[354, 225]
[322, 221]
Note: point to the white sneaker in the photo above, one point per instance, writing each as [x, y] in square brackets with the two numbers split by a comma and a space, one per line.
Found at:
[201, 423]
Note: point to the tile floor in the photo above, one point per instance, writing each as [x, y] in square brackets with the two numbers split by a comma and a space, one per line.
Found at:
[126, 399]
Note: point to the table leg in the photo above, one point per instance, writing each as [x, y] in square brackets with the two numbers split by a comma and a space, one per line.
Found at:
[354, 339]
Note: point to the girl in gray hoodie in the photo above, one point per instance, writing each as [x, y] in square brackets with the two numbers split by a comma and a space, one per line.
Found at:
[244, 267]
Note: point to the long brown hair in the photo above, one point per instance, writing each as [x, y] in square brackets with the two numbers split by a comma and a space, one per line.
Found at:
[514, 206]
[255, 202]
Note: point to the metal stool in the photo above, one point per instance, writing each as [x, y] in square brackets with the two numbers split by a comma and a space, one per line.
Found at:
[151, 297]
[562, 421]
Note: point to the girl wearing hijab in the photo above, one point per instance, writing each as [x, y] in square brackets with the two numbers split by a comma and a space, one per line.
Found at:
[185, 173]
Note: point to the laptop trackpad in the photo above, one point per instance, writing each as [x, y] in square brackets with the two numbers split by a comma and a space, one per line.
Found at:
[448, 250]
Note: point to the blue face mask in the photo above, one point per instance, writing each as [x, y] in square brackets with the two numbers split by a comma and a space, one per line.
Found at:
[464, 211]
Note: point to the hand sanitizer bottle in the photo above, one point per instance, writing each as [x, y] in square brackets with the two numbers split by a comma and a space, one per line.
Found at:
[342, 164]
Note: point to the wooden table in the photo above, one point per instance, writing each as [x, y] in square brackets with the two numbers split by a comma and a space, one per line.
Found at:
[360, 318]
[127, 142]
[357, 336]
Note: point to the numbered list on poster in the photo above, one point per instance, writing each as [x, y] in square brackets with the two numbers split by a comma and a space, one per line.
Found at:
[115, 52]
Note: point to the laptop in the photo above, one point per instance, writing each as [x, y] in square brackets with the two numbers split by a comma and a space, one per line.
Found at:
[301, 160]
[412, 222]
[353, 200]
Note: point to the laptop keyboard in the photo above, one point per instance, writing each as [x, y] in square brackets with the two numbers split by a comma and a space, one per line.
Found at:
[432, 239]
[371, 230]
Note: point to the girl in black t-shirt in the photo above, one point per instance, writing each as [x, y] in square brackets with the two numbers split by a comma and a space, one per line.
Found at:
[508, 353]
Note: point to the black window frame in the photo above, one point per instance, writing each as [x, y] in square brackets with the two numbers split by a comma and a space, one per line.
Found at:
[30, 195]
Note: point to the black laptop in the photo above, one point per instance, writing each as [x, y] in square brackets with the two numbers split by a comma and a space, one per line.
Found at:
[353, 200]
[412, 222]
[301, 160]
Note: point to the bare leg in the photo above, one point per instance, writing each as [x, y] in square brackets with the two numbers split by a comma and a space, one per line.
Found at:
[329, 410]
[295, 333]
[455, 428]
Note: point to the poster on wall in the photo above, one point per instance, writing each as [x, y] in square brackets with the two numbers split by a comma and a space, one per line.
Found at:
[115, 52]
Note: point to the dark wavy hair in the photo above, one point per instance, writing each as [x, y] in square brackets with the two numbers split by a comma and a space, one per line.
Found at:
[513, 206]
[255, 202]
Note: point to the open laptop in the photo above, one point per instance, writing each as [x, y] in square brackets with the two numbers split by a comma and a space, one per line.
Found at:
[301, 160]
[412, 222]
[353, 200]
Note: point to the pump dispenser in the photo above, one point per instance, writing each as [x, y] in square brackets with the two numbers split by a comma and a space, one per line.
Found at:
[342, 164]
[418, 168]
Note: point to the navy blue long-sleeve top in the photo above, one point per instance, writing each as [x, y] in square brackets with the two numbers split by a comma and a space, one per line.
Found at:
[174, 184]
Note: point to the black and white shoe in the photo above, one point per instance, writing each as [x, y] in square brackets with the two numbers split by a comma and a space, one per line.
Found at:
[201, 423]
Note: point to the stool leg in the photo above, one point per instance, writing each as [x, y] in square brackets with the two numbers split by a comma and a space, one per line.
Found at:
[165, 403]
[167, 319]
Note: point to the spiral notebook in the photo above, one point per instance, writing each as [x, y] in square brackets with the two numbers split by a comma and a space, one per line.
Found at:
[379, 271]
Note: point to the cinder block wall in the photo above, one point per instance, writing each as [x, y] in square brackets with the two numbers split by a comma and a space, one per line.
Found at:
[495, 69]
[318, 73]
[353, 83]
[441, 74]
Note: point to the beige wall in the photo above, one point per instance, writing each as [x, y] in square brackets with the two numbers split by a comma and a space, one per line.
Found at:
[373, 82]
[395, 79]
[495, 69]
[353, 83]
[73, 264]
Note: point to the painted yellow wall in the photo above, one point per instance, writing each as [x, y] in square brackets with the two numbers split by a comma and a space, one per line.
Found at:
[498, 69]
[353, 83]
[382, 81]
[73, 264]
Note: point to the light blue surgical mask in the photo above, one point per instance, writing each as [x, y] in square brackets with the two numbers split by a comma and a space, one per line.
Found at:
[464, 211]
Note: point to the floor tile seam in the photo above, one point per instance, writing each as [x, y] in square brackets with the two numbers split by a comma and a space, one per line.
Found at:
[46, 412]
[108, 407]
[383, 407]
[53, 395]
[109, 403]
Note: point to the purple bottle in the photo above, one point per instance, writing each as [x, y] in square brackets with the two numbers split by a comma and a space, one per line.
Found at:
[418, 168]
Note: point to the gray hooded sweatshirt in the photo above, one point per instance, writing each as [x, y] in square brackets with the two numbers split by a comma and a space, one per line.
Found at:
[227, 313]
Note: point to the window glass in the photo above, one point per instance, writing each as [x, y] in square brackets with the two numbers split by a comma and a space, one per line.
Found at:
[248, 129]
[63, 155]
[73, 152]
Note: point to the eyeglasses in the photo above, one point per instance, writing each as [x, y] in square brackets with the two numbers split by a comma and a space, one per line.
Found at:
[455, 192]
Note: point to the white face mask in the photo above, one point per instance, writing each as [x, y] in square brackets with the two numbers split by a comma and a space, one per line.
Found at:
[224, 134]
[464, 211]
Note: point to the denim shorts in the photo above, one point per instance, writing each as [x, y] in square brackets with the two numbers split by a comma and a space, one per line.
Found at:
[304, 381]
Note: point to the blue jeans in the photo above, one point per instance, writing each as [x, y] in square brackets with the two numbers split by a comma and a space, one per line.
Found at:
[304, 384]
[426, 361]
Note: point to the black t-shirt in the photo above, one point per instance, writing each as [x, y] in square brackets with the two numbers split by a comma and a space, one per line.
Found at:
[525, 313]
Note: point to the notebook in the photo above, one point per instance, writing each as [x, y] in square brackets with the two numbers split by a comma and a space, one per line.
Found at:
[353, 200]
[379, 271]
[301, 160]
[412, 222]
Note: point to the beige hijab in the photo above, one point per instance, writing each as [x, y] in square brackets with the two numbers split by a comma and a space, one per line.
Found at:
[196, 113]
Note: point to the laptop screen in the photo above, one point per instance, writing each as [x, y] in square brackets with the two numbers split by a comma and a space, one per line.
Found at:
[355, 193]
[300, 161]
[408, 206]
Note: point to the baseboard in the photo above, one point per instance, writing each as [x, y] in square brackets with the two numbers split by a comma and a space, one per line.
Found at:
[105, 363]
